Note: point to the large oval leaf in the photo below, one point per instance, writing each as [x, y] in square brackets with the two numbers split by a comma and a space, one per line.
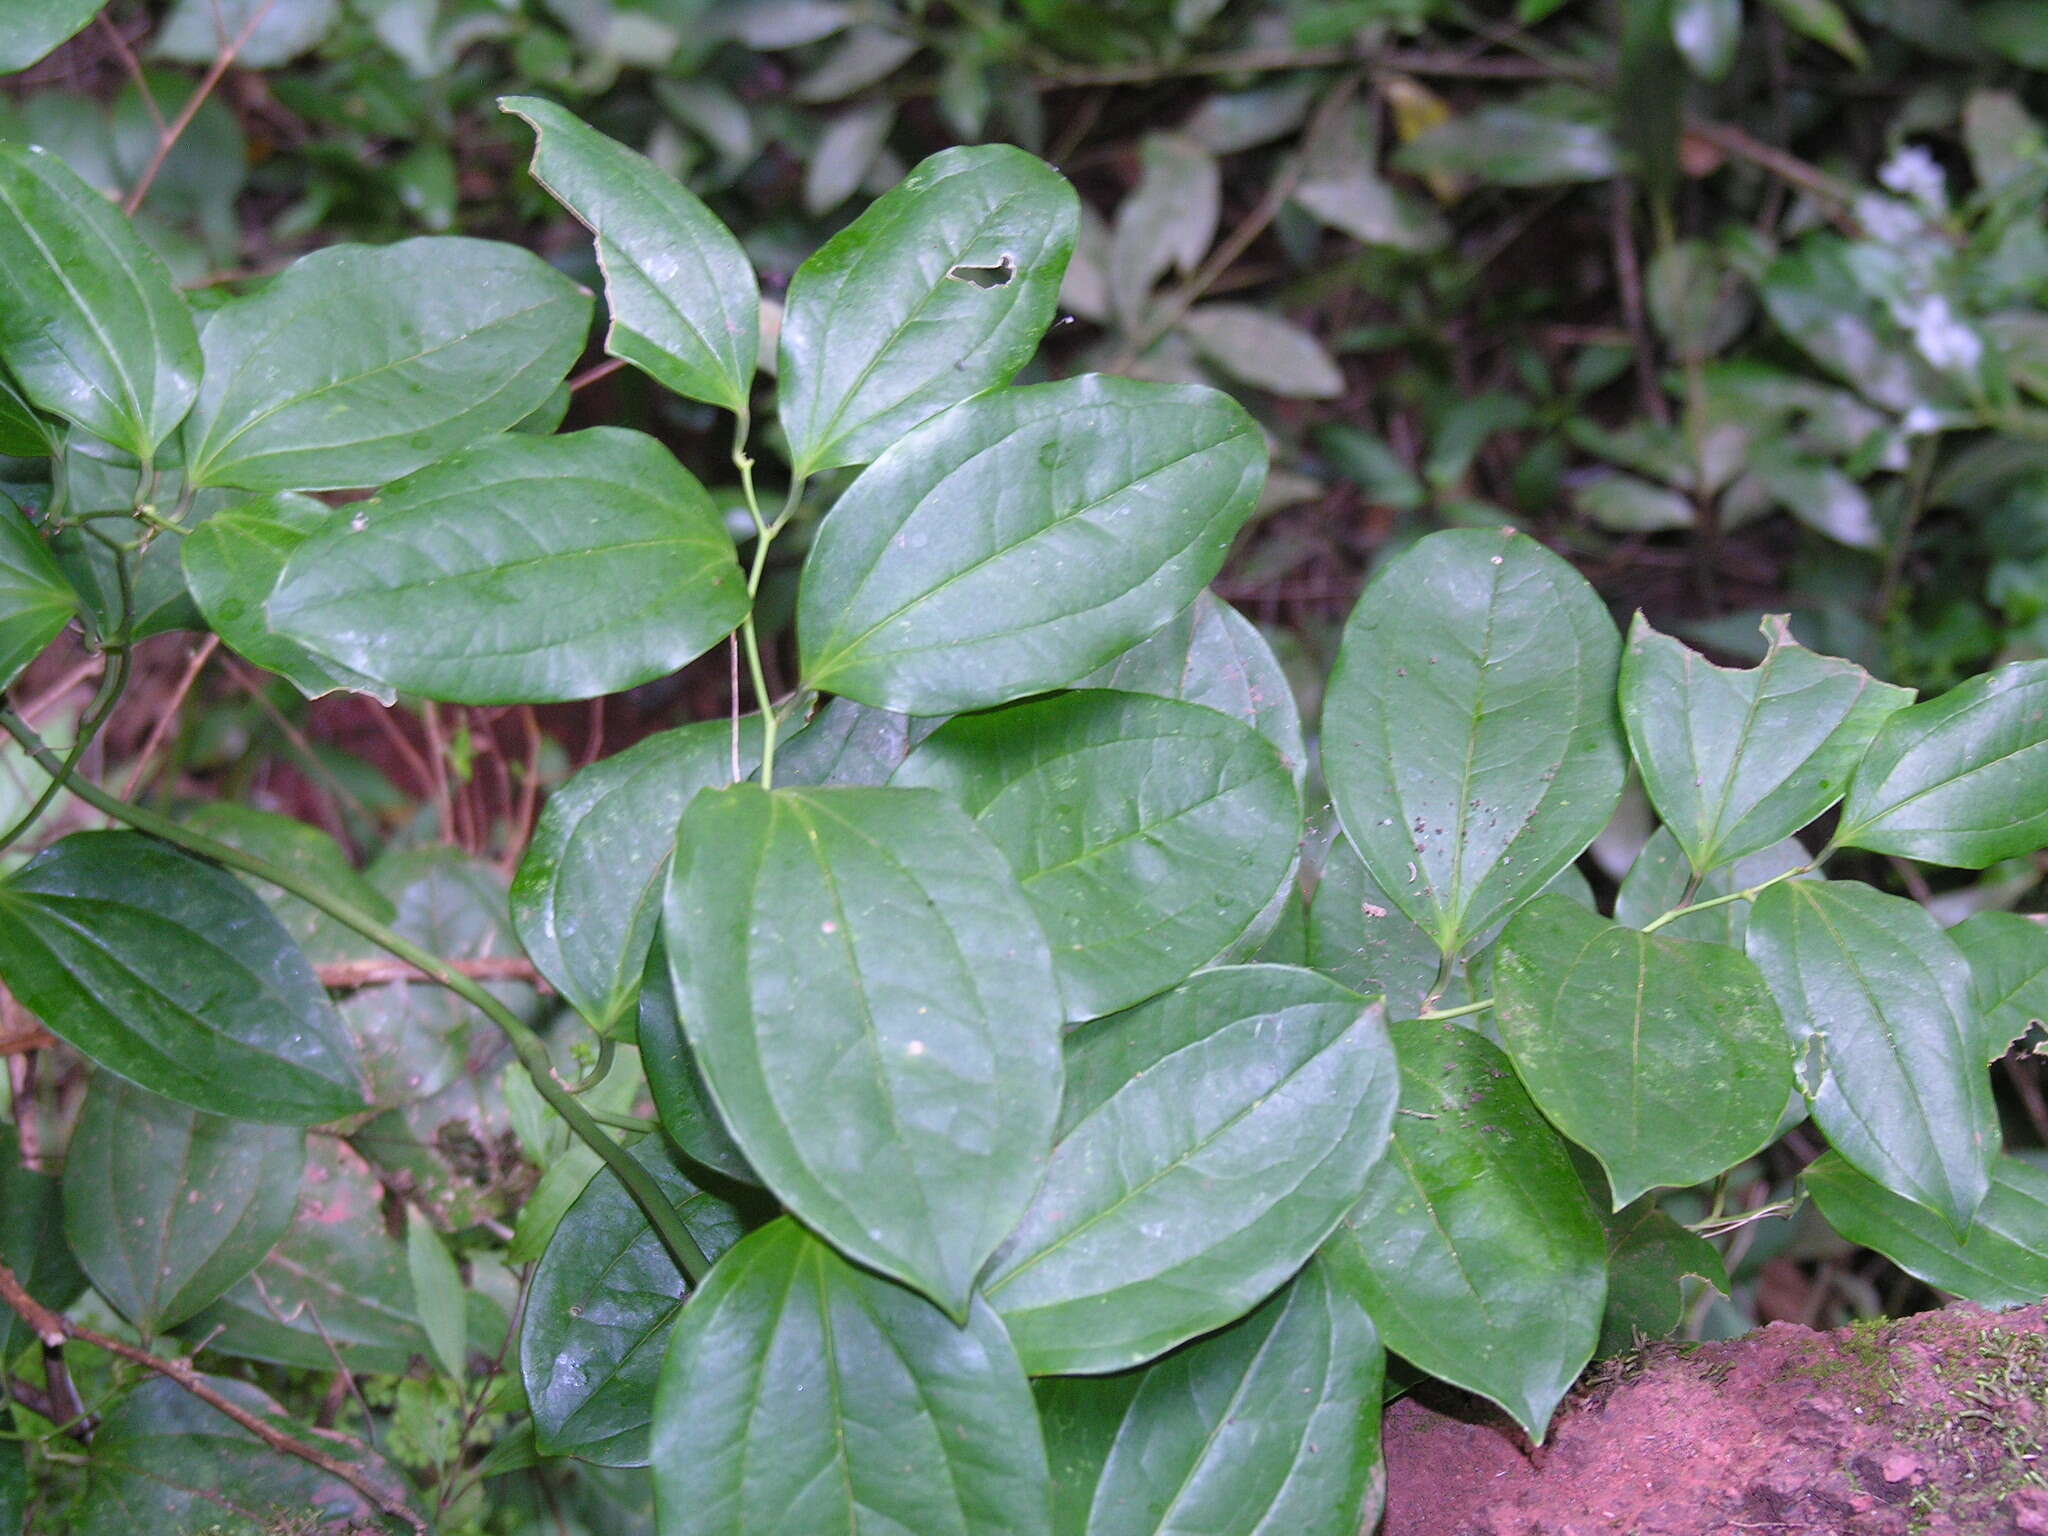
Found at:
[2008, 957]
[873, 1007]
[1147, 833]
[802, 1394]
[1107, 505]
[90, 325]
[1270, 1425]
[36, 602]
[172, 974]
[2001, 1261]
[1475, 1246]
[1664, 1058]
[167, 1207]
[524, 570]
[1209, 1141]
[600, 1309]
[588, 893]
[941, 289]
[359, 364]
[685, 305]
[1470, 734]
[1877, 1001]
[1962, 779]
[1734, 759]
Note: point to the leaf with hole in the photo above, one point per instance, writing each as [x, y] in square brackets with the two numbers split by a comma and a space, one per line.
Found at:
[1209, 1141]
[1470, 734]
[885, 325]
[172, 974]
[2008, 957]
[1877, 1001]
[36, 602]
[874, 1010]
[524, 570]
[803, 1394]
[1477, 1250]
[1110, 505]
[1147, 834]
[2001, 1261]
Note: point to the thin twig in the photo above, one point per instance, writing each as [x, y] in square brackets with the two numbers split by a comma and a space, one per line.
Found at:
[168, 139]
[54, 1330]
[85, 671]
[1256, 61]
[349, 975]
[594, 373]
[167, 714]
[133, 67]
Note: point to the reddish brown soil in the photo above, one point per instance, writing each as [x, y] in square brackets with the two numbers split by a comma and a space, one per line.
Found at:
[1935, 1425]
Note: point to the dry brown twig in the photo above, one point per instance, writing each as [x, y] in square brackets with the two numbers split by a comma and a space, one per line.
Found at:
[168, 139]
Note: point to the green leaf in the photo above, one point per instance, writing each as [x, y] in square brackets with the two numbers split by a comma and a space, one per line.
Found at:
[1258, 348]
[1823, 21]
[359, 364]
[90, 325]
[1358, 936]
[24, 432]
[850, 744]
[336, 1284]
[1664, 1058]
[1961, 779]
[1209, 1141]
[603, 1303]
[277, 31]
[874, 1010]
[1166, 224]
[684, 302]
[32, 1240]
[232, 563]
[802, 1394]
[524, 570]
[676, 1082]
[1877, 1001]
[1658, 881]
[1147, 834]
[1117, 502]
[1649, 1257]
[36, 602]
[29, 30]
[1735, 759]
[1475, 1247]
[887, 323]
[437, 1294]
[1212, 655]
[1469, 732]
[588, 893]
[172, 974]
[1270, 1425]
[2001, 1261]
[167, 1207]
[2008, 957]
[165, 1462]
[1514, 146]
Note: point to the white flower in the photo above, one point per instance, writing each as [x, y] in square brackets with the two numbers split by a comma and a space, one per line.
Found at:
[1943, 340]
[1914, 173]
[1917, 422]
[1889, 221]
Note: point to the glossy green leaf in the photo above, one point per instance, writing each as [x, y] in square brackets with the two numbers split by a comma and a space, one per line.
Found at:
[895, 318]
[850, 744]
[167, 1207]
[36, 602]
[1111, 504]
[172, 973]
[90, 325]
[166, 1463]
[2008, 957]
[1824, 22]
[874, 1010]
[1147, 834]
[600, 1311]
[1649, 1259]
[1469, 733]
[1210, 654]
[336, 1284]
[24, 432]
[802, 1394]
[359, 364]
[2001, 1261]
[588, 893]
[1664, 1058]
[683, 298]
[1877, 1001]
[1357, 935]
[32, 1240]
[676, 1082]
[1270, 1425]
[1657, 882]
[232, 563]
[1735, 759]
[437, 1294]
[1961, 779]
[30, 29]
[524, 570]
[1476, 1248]
[1209, 1141]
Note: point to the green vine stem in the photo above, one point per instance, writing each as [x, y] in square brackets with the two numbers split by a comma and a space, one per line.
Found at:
[531, 1050]
[764, 537]
[1750, 893]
